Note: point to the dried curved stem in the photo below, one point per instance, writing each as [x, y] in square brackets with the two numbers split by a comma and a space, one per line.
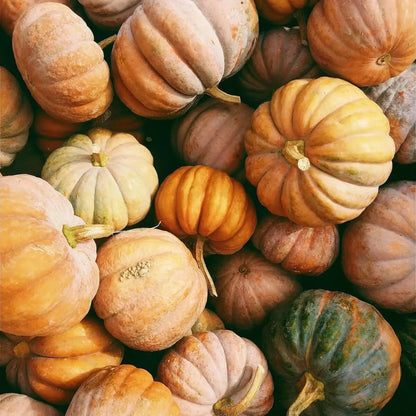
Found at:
[223, 96]
[85, 232]
[199, 256]
[107, 41]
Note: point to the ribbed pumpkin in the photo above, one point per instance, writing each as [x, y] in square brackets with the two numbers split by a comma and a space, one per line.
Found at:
[168, 53]
[379, 248]
[217, 373]
[109, 178]
[278, 57]
[318, 151]
[333, 354]
[62, 66]
[397, 98]
[15, 404]
[298, 249]
[12, 9]
[151, 290]
[108, 14]
[48, 271]
[365, 43]
[16, 117]
[212, 134]
[53, 367]
[249, 286]
[123, 390]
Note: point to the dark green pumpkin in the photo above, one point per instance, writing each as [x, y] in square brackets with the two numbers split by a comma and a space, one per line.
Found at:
[406, 332]
[342, 346]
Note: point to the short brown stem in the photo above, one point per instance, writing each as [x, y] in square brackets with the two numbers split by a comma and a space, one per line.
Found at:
[98, 158]
[21, 350]
[225, 407]
[199, 256]
[86, 232]
[223, 96]
[312, 391]
[107, 41]
[301, 16]
[294, 152]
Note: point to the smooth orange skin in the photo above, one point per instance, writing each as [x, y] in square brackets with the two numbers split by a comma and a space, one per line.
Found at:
[281, 12]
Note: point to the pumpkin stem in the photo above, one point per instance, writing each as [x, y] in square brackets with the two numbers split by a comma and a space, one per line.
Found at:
[294, 152]
[21, 350]
[98, 158]
[223, 96]
[312, 391]
[301, 16]
[199, 256]
[107, 41]
[225, 407]
[85, 232]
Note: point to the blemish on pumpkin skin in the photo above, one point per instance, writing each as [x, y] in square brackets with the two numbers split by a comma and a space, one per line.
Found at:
[141, 269]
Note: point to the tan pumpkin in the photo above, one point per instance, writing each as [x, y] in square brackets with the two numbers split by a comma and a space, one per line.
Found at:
[297, 248]
[109, 178]
[12, 9]
[278, 57]
[168, 53]
[123, 390]
[364, 43]
[212, 134]
[318, 151]
[15, 404]
[107, 14]
[249, 286]
[397, 98]
[207, 321]
[48, 271]
[16, 117]
[53, 367]
[71, 79]
[151, 290]
[217, 373]
[379, 249]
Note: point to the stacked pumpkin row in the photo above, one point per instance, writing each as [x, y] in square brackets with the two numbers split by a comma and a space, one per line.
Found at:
[261, 194]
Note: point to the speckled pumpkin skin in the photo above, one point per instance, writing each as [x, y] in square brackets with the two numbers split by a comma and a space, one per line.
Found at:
[343, 342]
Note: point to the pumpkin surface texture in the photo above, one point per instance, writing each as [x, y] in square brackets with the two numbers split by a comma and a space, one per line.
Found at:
[168, 53]
[15, 404]
[334, 355]
[39, 227]
[217, 373]
[405, 328]
[379, 248]
[151, 290]
[318, 151]
[71, 79]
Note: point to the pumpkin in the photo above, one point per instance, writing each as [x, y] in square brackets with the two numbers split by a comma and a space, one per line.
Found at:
[217, 373]
[212, 134]
[169, 53]
[107, 14]
[364, 43]
[48, 271]
[249, 286]
[298, 249]
[123, 390]
[12, 9]
[405, 328]
[333, 354]
[51, 133]
[71, 79]
[109, 178]
[207, 321]
[318, 151]
[397, 97]
[16, 117]
[151, 290]
[278, 57]
[210, 207]
[15, 404]
[53, 367]
[379, 248]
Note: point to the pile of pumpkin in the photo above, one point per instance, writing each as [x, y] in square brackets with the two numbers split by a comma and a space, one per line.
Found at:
[207, 207]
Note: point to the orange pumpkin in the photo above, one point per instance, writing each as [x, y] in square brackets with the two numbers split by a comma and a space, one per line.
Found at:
[15, 404]
[16, 117]
[318, 151]
[207, 321]
[168, 53]
[151, 290]
[364, 43]
[123, 390]
[48, 271]
[53, 367]
[71, 79]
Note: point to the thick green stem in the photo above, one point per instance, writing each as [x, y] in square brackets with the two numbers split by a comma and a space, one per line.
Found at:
[312, 391]
[86, 232]
[199, 256]
[225, 407]
[223, 96]
[294, 152]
